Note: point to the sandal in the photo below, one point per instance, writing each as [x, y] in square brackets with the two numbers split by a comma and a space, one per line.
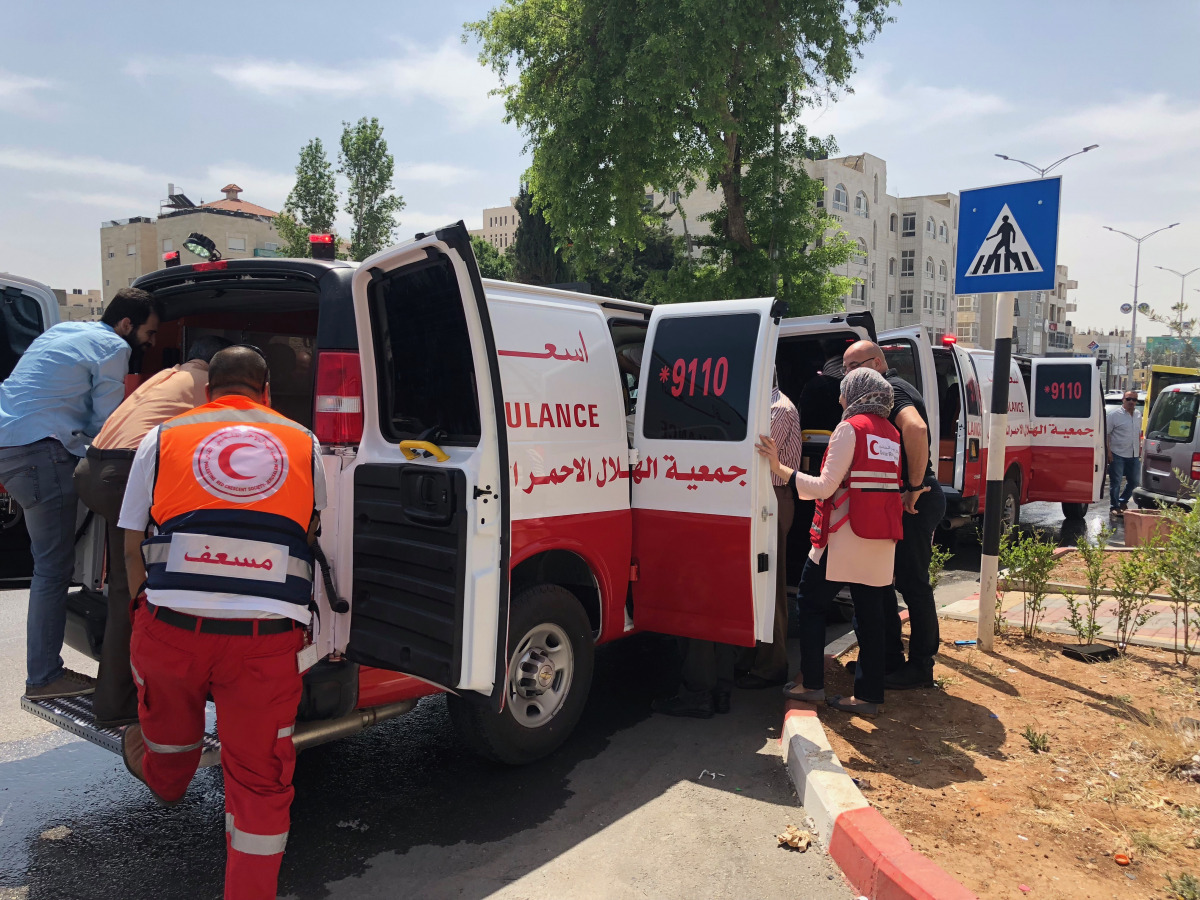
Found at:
[793, 691]
[860, 708]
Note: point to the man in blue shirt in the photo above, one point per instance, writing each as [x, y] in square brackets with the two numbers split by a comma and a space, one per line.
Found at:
[63, 388]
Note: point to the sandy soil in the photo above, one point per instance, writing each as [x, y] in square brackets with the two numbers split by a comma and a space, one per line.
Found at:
[952, 770]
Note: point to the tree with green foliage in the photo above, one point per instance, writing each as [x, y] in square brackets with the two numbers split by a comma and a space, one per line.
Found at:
[312, 203]
[367, 165]
[537, 257]
[492, 263]
[615, 95]
[640, 269]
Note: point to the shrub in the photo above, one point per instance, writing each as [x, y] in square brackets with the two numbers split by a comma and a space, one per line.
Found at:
[1038, 742]
[1031, 560]
[937, 563]
[1082, 613]
[1135, 579]
[1179, 568]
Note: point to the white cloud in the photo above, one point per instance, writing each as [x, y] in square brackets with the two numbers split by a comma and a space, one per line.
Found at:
[116, 205]
[20, 93]
[448, 75]
[90, 167]
[435, 173]
[1135, 129]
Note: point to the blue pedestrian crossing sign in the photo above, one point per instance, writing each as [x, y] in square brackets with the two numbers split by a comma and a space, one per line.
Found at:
[1008, 237]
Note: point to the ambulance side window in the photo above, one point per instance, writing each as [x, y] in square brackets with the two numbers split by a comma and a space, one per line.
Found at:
[20, 323]
[901, 355]
[1063, 392]
[701, 369]
[425, 367]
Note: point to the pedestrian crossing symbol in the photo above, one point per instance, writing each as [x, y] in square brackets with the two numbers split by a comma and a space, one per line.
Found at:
[1008, 237]
[1005, 249]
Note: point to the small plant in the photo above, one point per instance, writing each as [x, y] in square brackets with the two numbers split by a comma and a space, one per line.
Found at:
[1135, 579]
[1081, 615]
[1187, 813]
[1038, 742]
[1009, 542]
[937, 563]
[1179, 566]
[1032, 560]
[1185, 887]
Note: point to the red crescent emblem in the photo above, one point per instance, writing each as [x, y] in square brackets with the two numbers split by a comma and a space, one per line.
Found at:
[224, 464]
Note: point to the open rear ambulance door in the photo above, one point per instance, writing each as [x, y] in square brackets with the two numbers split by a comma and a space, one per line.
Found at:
[907, 351]
[704, 527]
[1066, 431]
[431, 507]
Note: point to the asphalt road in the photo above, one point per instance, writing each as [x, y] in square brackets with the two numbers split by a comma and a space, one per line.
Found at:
[403, 810]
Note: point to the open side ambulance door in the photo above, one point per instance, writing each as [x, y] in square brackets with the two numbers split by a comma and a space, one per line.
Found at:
[431, 505]
[969, 480]
[1066, 431]
[704, 527]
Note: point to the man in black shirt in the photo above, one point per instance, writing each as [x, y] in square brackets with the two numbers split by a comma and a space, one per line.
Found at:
[924, 508]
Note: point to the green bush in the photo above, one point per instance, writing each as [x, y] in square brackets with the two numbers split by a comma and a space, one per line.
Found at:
[937, 563]
[1179, 568]
[1136, 577]
[1030, 560]
[1081, 615]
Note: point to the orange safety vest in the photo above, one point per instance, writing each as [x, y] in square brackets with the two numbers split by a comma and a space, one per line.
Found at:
[871, 502]
[233, 498]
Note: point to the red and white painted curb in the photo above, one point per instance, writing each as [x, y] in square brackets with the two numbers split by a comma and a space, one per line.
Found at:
[877, 859]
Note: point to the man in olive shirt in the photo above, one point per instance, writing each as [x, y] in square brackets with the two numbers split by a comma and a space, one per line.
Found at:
[100, 480]
[924, 508]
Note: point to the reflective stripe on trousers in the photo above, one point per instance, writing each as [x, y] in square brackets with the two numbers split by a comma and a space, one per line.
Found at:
[170, 748]
[254, 844]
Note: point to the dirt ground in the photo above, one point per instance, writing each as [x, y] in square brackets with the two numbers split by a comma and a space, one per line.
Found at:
[1071, 570]
[951, 769]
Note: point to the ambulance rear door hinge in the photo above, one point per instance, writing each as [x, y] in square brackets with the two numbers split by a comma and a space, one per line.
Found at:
[633, 457]
[633, 572]
[764, 562]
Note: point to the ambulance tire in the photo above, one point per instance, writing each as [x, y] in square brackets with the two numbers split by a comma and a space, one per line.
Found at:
[1074, 511]
[1010, 515]
[544, 609]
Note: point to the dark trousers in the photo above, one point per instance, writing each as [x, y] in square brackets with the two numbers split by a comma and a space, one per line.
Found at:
[771, 660]
[815, 594]
[101, 486]
[707, 667]
[913, 553]
[1125, 467]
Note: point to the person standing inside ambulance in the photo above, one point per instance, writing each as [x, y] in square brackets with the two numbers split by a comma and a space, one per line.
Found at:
[234, 490]
[854, 535]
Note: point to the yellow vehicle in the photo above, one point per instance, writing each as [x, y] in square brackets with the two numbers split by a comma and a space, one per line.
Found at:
[1161, 377]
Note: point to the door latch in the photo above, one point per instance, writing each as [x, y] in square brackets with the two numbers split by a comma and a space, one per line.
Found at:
[765, 514]
[483, 491]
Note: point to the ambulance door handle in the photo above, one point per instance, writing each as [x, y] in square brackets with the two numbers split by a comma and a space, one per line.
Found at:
[410, 448]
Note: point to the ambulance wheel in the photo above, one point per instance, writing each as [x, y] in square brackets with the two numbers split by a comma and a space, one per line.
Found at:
[1074, 510]
[551, 656]
[1010, 506]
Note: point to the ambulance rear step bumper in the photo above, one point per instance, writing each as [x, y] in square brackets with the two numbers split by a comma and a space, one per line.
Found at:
[74, 714]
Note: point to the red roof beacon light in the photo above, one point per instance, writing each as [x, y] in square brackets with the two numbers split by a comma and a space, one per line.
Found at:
[949, 339]
[321, 246]
[170, 259]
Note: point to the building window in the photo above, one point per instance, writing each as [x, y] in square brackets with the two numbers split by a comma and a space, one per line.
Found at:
[968, 302]
[908, 262]
[874, 236]
[929, 267]
[968, 333]
[107, 282]
[875, 197]
[861, 207]
[168, 246]
[941, 303]
[237, 243]
[649, 201]
[892, 266]
[908, 227]
[891, 302]
[841, 200]
[821, 199]
[872, 274]
[130, 284]
[858, 294]
[942, 271]
[892, 223]
[930, 227]
[131, 249]
[927, 301]
[929, 333]
[906, 303]
[111, 254]
[943, 233]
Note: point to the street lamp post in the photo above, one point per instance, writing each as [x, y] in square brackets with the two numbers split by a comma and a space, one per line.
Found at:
[1182, 281]
[1136, 271]
[1054, 165]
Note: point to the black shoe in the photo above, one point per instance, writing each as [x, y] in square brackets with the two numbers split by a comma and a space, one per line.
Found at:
[721, 702]
[908, 678]
[753, 682]
[119, 722]
[700, 708]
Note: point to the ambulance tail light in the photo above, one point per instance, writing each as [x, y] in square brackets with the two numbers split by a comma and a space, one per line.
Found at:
[338, 407]
[210, 266]
[1195, 466]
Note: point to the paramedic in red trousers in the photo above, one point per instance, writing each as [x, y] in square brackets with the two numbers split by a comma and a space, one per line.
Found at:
[234, 491]
[924, 508]
[854, 534]
[769, 662]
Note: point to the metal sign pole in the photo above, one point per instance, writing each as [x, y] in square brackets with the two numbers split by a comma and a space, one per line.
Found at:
[997, 440]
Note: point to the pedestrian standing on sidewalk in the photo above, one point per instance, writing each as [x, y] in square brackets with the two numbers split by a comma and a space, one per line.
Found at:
[100, 480]
[234, 490]
[854, 534]
[769, 665]
[57, 398]
[1124, 428]
[924, 509]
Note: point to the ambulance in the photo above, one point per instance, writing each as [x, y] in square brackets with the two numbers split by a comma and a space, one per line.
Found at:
[516, 475]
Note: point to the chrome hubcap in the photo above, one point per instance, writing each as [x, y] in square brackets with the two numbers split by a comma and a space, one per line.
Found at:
[540, 675]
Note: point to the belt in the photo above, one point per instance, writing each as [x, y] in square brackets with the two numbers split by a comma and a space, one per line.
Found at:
[97, 453]
[242, 627]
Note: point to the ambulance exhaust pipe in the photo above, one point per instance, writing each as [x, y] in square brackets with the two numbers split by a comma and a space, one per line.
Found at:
[310, 734]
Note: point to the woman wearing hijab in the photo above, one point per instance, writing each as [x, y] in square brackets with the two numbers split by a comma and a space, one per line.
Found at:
[854, 534]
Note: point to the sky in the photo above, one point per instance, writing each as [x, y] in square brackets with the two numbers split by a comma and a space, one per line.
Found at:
[101, 105]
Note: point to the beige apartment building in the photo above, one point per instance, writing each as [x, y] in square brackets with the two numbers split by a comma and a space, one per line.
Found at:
[1040, 323]
[500, 225]
[130, 248]
[78, 305]
[904, 269]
